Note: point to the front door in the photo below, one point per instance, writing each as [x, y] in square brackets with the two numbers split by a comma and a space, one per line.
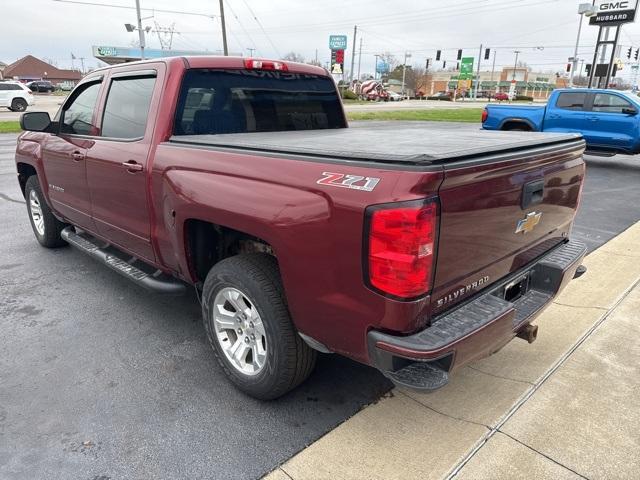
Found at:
[610, 123]
[64, 156]
[117, 164]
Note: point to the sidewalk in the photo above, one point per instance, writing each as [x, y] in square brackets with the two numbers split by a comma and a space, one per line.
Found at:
[567, 406]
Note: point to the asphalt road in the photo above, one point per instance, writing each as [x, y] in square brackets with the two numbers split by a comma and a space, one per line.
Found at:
[101, 380]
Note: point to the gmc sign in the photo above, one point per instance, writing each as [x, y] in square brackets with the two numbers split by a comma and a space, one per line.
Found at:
[614, 13]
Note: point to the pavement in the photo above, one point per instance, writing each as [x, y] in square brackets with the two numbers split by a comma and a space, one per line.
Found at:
[100, 379]
[44, 103]
[565, 407]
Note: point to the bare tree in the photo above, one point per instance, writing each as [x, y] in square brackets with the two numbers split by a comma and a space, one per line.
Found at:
[293, 57]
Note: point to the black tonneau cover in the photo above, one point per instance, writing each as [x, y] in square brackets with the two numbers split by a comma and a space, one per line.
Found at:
[394, 142]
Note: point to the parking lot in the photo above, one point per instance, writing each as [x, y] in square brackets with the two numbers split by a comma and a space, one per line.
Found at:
[44, 103]
[104, 380]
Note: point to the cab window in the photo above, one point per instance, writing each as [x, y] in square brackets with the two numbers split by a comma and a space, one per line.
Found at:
[127, 107]
[77, 114]
[571, 100]
[608, 103]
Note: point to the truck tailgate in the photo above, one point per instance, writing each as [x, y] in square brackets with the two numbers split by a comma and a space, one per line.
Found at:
[500, 213]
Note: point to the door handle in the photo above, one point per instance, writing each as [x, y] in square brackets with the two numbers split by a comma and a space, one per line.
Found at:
[592, 119]
[78, 156]
[132, 166]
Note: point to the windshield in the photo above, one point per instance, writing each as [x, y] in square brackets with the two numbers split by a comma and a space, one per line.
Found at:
[239, 101]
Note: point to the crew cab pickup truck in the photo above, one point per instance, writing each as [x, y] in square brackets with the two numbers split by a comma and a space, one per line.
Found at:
[241, 177]
[607, 119]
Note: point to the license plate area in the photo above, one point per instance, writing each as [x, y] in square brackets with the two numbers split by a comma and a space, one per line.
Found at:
[515, 289]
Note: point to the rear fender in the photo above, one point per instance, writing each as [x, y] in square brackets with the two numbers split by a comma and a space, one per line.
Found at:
[524, 121]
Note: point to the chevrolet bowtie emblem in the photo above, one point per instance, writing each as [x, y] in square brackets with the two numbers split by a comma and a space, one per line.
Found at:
[529, 222]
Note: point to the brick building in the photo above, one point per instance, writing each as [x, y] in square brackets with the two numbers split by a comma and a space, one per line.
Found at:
[533, 84]
[31, 68]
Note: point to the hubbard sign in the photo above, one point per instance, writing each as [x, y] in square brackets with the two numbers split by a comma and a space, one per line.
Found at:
[614, 12]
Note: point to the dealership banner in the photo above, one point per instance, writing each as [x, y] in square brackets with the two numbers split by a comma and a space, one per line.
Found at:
[611, 13]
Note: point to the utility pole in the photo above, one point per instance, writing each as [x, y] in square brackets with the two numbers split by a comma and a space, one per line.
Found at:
[251, 50]
[140, 30]
[475, 92]
[82, 64]
[359, 59]
[375, 69]
[353, 53]
[404, 69]
[224, 29]
[316, 56]
[581, 67]
[515, 64]
[493, 67]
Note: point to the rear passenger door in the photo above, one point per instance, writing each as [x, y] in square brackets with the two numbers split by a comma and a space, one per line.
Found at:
[117, 167]
[568, 113]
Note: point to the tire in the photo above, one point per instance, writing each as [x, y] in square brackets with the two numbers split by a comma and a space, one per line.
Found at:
[18, 105]
[47, 231]
[287, 360]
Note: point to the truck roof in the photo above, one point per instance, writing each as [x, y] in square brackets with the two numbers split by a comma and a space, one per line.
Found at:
[392, 142]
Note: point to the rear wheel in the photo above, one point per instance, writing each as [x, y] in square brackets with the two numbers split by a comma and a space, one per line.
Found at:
[249, 327]
[46, 227]
[18, 105]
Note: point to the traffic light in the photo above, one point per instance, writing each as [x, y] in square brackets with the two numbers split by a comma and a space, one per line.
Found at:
[438, 55]
[588, 69]
[568, 68]
[459, 54]
[458, 66]
[487, 53]
[636, 54]
[629, 52]
[444, 64]
[428, 64]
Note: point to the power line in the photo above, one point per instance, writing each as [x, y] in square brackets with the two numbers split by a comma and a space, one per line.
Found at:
[243, 29]
[262, 28]
[126, 7]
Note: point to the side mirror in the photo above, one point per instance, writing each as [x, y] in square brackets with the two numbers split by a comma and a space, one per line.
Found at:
[629, 111]
[35, 121]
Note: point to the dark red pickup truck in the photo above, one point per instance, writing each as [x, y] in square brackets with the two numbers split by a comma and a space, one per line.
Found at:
[409, 248]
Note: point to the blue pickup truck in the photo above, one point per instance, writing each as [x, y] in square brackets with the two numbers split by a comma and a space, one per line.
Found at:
[607, 119]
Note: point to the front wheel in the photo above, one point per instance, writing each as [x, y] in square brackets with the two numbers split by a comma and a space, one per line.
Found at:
[248, 325]
[46, 227]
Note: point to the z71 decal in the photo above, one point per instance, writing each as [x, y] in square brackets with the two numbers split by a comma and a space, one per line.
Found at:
[355, 182]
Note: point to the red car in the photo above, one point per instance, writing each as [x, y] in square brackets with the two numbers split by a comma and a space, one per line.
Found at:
[239, 177]
[501, 97]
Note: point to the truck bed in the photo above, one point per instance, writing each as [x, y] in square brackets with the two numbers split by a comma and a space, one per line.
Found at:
[399, 142]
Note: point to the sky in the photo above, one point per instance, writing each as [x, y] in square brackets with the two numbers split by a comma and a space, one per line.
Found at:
[543, 30]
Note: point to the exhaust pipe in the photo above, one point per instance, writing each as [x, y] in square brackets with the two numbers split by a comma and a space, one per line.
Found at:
[528, 333]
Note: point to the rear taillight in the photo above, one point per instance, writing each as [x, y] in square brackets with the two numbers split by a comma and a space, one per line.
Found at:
[401, 248]
[485, 114]
[253, 64]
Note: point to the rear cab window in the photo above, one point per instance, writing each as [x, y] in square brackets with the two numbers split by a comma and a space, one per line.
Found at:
[239, 101]
[572, 101]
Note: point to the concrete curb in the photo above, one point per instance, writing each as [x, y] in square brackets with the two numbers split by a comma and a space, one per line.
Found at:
[410, 435]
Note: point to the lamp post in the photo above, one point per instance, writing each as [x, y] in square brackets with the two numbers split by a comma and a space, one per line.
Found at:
[583, 9]
[404, 70]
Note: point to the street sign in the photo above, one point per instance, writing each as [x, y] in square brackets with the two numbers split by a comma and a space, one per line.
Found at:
[382, 67]
[610, 12]
[466, 68]
[337, 62]
[338, 42]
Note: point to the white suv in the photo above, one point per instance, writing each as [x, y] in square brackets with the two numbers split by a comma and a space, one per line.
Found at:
[15, 96]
